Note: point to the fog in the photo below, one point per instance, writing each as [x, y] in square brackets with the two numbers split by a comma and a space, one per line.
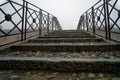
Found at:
[67, 11]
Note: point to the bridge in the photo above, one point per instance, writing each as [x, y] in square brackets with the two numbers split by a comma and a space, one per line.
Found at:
[33, 45]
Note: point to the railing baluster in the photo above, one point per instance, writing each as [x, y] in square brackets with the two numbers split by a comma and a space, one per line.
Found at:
[25, 30]
[105, 17]
[87, 21]
[23, 16]
[48, 23]
[108, 22]
[52, 23]
[93, 20]
[40, 22]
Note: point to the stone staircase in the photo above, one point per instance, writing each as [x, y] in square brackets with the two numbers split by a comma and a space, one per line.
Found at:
[66, 50]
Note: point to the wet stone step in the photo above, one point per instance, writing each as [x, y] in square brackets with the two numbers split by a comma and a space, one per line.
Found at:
[66, 34]
[83, 54]
[51, 75]
[71, 31]
[56, 32]
[98, 65]
[69, 34]
[63, 43]
[66, 47]
[80, 36]
[66, 40]
[62, 51]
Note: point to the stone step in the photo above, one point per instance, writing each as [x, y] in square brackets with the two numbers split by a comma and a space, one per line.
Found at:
[61, 64]
[70, 47]
[68, 33]
[88, 57]
[52, 75]
[70, 36]
[72, 31]
[58, 40]
[83, 54]
[73, 34]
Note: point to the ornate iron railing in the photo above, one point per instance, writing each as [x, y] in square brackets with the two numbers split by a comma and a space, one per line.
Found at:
[20, 20]
[102, 19]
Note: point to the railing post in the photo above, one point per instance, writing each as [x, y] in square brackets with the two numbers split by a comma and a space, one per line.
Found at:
[55, 26]
[40, 22]
[105, 17]
[25, 32]
[55, 23]
[87, 21]
[84, 25]
[108, 22]
[48, 23]
[93, 20]
[23, 15]
[78, 25]
[52, 23]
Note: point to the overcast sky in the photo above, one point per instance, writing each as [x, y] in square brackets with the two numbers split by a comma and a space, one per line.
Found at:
[67, 11]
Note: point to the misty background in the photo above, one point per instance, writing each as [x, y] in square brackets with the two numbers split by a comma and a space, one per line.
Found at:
[68, 12]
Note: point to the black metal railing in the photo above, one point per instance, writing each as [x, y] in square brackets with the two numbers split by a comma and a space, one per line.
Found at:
[20, 20]
[102, 19]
